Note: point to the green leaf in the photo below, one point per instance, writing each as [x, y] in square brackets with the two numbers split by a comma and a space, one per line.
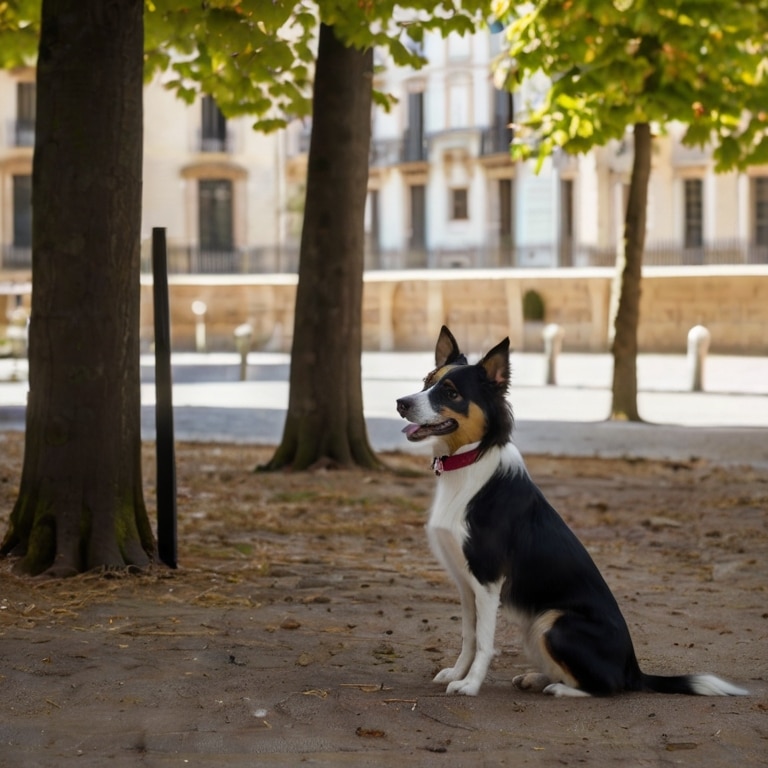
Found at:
[614, 63]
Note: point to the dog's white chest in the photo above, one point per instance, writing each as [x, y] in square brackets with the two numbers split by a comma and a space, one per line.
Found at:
[447, 527]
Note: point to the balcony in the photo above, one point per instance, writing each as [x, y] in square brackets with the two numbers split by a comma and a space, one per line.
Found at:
[222, 143]
[16, 257]
[193, 260]
[672, 254]
[21, 133]
[495, 140]
[385, 152]
[414, 147]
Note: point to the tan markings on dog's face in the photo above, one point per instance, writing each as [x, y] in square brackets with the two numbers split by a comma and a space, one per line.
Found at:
[437, 374]
[470, 430]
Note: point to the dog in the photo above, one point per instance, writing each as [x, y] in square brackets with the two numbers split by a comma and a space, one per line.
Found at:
[502, 543]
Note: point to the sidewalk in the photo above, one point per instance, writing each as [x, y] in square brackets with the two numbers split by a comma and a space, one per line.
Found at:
[726, 423]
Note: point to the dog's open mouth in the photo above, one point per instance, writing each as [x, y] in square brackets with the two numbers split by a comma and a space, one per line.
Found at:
[416, 432]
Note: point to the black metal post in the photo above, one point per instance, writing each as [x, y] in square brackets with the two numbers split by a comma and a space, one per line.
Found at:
[166, 457]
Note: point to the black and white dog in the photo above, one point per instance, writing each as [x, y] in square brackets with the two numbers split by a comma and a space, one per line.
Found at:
[503, 543]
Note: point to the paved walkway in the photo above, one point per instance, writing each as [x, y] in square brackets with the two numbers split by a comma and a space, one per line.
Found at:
[728, 422]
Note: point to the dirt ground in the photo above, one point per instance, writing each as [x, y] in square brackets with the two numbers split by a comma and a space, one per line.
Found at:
[308, 616]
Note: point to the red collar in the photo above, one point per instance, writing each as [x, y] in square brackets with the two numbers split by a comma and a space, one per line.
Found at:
[442, 464]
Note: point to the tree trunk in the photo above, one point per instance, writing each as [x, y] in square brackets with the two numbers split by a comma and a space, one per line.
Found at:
[80, 505]
[325, 423]
[624, 406]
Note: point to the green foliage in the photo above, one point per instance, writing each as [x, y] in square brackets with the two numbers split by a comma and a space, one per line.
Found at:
[616, 63]
[19, 30]
[252, 57]
[256, 57]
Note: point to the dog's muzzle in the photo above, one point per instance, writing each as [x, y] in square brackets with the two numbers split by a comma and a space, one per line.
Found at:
[415, 431]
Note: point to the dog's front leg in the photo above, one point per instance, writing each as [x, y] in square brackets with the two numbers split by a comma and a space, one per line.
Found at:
[486, 599]
[468, 645]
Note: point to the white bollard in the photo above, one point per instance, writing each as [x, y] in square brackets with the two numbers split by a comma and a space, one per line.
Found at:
[698, 346]
[243, 336]
[553, 343]
[199, 308]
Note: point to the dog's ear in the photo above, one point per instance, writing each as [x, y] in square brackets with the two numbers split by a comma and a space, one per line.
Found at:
[496, 364]
[447, 350]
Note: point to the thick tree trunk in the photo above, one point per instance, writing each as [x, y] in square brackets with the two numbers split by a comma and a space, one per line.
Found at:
[80, 504]
[325, 421]
[624, 406]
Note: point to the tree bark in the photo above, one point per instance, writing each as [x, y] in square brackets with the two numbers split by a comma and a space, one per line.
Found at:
[624, 348]
[325, 423]
[80, 504]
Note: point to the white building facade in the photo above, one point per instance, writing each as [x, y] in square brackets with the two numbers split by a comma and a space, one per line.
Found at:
[463, 202]
[443, 191]
[215, 185]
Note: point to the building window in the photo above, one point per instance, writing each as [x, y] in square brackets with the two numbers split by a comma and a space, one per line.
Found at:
[694, 213]
[566, 223]
[459, 102]
[26, 98]
[22, 211]
[498, 137]
[459, 204]
[414, 146]
[418, 217]
[506, 222]
[375, 224]
[760, 196]
[216, 232]
[214, 127]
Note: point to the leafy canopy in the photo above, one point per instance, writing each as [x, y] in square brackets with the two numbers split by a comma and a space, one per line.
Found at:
[19, 30]
[256, 57]
[615, 63]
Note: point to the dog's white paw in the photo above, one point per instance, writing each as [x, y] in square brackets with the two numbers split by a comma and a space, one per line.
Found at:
[464, 687]
[560, 690]
[448, 675]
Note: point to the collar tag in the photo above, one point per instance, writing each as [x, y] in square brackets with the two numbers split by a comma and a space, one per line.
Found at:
[442, 464]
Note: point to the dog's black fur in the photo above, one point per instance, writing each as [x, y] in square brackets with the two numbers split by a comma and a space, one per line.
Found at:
[503, 543]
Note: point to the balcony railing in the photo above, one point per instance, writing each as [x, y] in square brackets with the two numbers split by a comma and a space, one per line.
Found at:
[414, 147]
[191, 259]
[21, 133]
[244, 261]
[386, 152]
[208, 143]
[495, 140]
[16, 257]
[670, 254]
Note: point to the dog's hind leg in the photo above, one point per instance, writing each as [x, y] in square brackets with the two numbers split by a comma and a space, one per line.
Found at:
[487, 606]
[578, 654]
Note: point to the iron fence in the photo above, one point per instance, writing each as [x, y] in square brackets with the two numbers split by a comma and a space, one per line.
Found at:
[188, 259]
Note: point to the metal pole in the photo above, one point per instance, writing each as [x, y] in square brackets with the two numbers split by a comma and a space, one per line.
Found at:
[166, 458]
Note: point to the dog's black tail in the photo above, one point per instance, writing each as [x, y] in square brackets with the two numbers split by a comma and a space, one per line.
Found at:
[693, 685]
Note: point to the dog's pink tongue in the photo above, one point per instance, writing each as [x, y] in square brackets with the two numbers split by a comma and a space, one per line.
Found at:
[409, 429]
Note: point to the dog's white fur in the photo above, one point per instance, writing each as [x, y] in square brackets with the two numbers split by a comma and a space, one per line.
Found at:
[446, 531]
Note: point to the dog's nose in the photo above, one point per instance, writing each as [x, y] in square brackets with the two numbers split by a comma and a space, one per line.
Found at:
[403, 404]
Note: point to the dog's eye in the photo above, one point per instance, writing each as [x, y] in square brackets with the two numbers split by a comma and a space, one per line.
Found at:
[451, 392]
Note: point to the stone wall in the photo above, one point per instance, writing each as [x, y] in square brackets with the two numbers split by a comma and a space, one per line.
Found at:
[404, 310]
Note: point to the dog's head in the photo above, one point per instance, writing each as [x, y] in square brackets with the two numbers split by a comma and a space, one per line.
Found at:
[461, 403]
